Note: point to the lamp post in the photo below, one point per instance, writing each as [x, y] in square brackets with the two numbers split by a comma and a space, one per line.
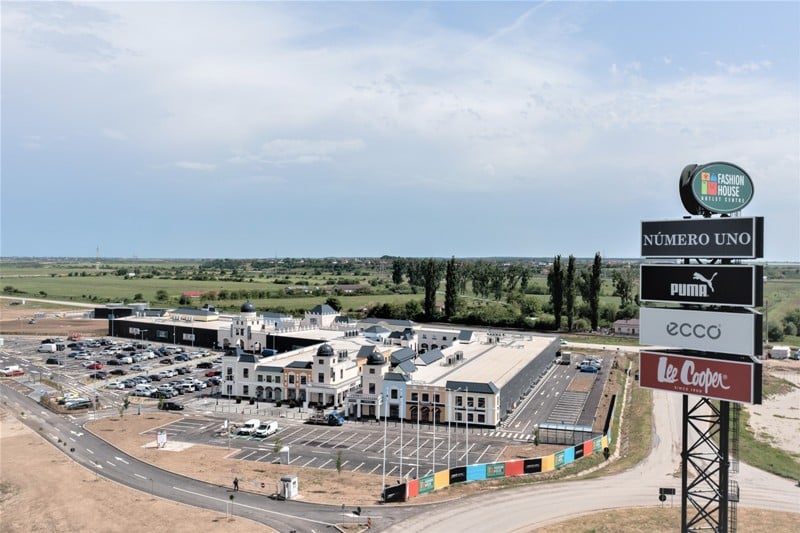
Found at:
[418, 407]
[402, 417]
[142, 331]
[385, 426]
[766, 313]
[433, 468]
[466, 455]
[447, 410]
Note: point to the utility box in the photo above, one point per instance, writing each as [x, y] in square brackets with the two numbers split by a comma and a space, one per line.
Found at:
[284, 453]
[287, 488]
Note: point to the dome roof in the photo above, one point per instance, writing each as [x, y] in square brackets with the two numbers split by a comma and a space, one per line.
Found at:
[326, 350]
[248, 307]
[375, 358]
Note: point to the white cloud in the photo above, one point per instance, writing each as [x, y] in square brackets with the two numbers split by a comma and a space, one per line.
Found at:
[743, 68]
[193, 165]
[116, 135]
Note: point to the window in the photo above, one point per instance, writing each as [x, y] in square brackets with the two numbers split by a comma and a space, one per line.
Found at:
[394, 394]
[481, 419]
[436, 398]
[230, 371]
[333, 375]
[229, 389]
[302, 380]
[371, 388]
[269, 379]
[245, 390]
[459, 418]
[470, 401]
[371, 370]
[459, 401]
[161, 334]
[341, 373]
[321, 377]
[425, 397]
[469, 417]
[321, 362]
[481, 403]
[414, 397]
[245, 372]
[260, 378]
[291, 379]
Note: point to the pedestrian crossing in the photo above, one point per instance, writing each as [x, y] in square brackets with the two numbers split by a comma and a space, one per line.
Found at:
[514, 435]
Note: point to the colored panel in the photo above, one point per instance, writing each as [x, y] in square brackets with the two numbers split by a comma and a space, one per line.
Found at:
[395, 493]
[515, 468]
[558, 461]
[413, 488]
[577, 451]
[598, 444]
[569, 456]
[441, 479]
[548, 463]
[476, 472]
[588, 447]
[458, 474]
[426, 484]
[533, 466]
[495, 470]
[604, 442]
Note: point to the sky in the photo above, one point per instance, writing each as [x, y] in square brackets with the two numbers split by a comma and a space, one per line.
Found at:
[414, 129]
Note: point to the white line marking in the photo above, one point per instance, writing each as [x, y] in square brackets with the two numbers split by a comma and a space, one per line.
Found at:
[112, 464]
[359, 466]
[326, 462]
[121, 460]
[252, 507]
[90, 451]
[139, 475]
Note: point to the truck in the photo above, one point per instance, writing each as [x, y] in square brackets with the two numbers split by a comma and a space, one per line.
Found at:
[566, 358]
[780, 352]
[326, 419]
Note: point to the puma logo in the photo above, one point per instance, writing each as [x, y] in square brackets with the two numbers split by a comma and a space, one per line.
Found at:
[697, 276]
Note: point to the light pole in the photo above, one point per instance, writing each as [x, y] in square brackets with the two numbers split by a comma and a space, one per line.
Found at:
[385, 426]
[418, 476]
[766, 313]
[466, 455]
[402, 417]
[142, 331]
[447, 410]
[433, 468]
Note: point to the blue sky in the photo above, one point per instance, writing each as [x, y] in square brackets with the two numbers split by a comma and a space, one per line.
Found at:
[411, 129]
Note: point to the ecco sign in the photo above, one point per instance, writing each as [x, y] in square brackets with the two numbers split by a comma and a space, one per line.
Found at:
[736, 380]
[732, 333]
[735, 285]
[712, 238]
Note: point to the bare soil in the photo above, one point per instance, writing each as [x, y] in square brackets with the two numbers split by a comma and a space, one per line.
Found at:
[14, 320]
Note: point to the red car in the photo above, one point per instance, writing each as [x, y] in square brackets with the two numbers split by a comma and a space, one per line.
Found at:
[95, 366]
[212, 373]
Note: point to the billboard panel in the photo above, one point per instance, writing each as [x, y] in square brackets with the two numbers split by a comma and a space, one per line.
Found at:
[712, 238]
[708, 331]
[723, 379]
[734, 285]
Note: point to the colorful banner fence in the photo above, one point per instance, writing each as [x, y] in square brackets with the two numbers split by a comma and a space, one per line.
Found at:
[480, 472]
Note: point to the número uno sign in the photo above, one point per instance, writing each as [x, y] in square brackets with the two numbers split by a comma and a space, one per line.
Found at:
[735, 380]
[712, 238]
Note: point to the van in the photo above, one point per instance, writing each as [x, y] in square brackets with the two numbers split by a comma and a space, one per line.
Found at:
[249, 427]
[11, 370]
[48, 348]
[143, 389]
[266, 429]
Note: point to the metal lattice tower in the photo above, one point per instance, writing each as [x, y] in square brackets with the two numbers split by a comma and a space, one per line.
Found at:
[707, 457]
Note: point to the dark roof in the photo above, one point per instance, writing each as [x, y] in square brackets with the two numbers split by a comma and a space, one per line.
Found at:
[431, 356]
[405, 335]
[483, 388]
[245, 357]
[465, 334]
[247, 307]
[344, 319]
[389, 321]
[267, 368]
[193, 311]
[299, 364]
[326, 350]
[269, 314]
[394, 376]
[376, 358]
[403, 354]
[376, 329]
[407, 366]
[365, 351]
[323, 309]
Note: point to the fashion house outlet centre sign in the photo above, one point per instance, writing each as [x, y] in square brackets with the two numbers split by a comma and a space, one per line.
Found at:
[730, 333]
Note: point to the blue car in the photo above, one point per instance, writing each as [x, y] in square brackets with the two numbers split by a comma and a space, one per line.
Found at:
[589, 368]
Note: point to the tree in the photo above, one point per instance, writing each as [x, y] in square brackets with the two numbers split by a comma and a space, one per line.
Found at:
[397, 271]
[335, 303]
[594, 290]
[451, 289]
[184, 300]
[774, 332]
[162, 295]
[138, 297]
[339, 461]
[432, 277]
[569, 291]
[623, 285]
[555, 282]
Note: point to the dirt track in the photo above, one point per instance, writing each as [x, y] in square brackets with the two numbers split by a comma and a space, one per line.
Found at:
[14, 320]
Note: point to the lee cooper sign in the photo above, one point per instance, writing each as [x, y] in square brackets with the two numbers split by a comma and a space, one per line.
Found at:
[734, 381]
[710, 331]
[713, 238]
[735, 285]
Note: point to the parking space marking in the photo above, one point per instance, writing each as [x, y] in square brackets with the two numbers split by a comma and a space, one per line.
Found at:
[326, 462]
[311, 461]
[359, 466]
[262, 457]
[246, 456]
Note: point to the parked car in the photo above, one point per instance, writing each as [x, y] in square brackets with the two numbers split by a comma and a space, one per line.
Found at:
[116, 385]
[166, 361]
[170, 406]
[129, 383]
[205, 364]
[154, 377]
[212, 373]
[98, 375]
[118, 372]
[54, 361]
[78, 404]
[95, 366]
[113, 362]
[589, 368]
[181, 357]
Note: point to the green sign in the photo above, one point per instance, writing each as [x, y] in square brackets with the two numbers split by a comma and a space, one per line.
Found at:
[495, 470]
[425, 484]
[721, 187]
[559, 459]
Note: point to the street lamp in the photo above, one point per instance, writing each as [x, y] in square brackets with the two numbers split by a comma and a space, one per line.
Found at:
[466, 455]
[418, 407]
[385, 425]
[447, 410]
[434, 433]
[402, 418]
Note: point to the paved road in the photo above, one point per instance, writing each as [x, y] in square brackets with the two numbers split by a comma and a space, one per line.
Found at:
[535, 506]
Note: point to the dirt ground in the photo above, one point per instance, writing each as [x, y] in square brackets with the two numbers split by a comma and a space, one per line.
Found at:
[14, 320]
[777, 420]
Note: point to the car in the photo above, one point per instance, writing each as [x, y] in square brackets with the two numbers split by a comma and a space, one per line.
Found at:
[118, 372]
[129, 383]
[589, 368]
[98, 375]
[161, 395]
[54, 361]
[113, 362]
[181, 357]
[95, 366]
[205, 364]
[183, 370]
[166, 361]
[154, 377]
[78, 404]
[170, 406]
[117, 385]
[212, 373]
[125, 359]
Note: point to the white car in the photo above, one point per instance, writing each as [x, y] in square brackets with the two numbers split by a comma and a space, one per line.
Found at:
[115, 385]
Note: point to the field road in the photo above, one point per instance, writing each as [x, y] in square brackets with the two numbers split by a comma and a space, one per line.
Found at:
[525, 508]
[54, 302]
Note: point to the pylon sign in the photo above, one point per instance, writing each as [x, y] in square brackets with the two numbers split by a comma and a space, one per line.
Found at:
[734, 285]
[711, 238]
